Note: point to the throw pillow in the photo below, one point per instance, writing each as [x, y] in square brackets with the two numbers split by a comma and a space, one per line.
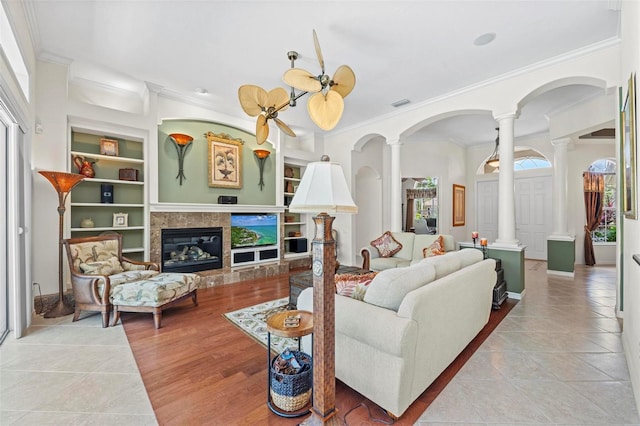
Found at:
[102, 267]
[128, 266]
[386, 245]
[353, 285]
[435, 249]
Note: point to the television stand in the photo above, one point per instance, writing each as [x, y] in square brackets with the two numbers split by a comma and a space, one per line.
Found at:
[254, 255]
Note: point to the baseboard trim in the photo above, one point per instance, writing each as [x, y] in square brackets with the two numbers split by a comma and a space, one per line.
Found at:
[514, 295]
[561, 273]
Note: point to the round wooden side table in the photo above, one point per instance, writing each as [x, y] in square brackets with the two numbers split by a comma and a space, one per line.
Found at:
[275, 326]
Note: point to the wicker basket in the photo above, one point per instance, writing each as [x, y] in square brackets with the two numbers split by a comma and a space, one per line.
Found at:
[291, 392]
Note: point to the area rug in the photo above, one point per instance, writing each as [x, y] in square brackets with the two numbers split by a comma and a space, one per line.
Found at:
[253, 321]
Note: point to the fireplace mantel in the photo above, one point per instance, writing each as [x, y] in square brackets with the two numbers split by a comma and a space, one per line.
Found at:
[214, 208]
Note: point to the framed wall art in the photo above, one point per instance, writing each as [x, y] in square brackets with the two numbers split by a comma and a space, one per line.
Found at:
[120, 220]
[109, 147]
[628, 150]
[458, 205]
[225, 161]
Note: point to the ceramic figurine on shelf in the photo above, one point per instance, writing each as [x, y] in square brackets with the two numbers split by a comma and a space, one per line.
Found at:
[85, 167]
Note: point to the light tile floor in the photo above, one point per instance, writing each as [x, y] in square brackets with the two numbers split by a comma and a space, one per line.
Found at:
[64, 373]
[557, 358]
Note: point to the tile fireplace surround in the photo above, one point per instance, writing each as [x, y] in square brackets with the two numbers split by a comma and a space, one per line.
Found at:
[226, 275]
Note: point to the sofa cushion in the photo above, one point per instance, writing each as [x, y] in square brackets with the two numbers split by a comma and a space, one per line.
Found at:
[406, 239]
[353, 285]
[443, 265]
[435, 249]
[102, 267]
[389, 287]
[469, 256]
[386, 245]
[382, 263]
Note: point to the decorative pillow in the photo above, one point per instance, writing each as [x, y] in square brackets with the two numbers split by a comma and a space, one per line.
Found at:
[353, 285]
[102, 267]
[386, 245]
[128, 266]
[435, 249]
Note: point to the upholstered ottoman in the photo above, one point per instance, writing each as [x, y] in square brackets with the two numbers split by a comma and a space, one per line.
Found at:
[154, 294]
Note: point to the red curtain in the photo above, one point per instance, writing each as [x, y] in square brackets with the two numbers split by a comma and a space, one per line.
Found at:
[593, 185]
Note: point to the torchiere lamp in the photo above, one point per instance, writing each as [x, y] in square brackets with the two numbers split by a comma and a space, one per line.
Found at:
[181, 142]
[322, 190]
[262, 155]
[63, 184]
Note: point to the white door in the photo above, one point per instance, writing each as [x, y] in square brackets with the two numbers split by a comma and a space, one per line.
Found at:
[487, 214]
[533, 215]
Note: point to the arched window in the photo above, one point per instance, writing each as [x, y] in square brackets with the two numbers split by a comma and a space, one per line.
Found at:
[524, 158]
[606, 231]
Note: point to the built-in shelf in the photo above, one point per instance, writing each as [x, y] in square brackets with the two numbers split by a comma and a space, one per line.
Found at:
[91, 156]
[133, 250]
[295, 223]
[118, 181]
[105, 205]
[128, 196]
[108, 228]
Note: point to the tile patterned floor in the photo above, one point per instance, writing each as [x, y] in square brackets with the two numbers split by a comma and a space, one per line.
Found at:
[557, 358]
[89, 377]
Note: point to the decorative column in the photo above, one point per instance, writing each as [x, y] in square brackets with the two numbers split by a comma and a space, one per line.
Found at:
[396, 186]
[506, 186]
[560, 180]
[561, 249]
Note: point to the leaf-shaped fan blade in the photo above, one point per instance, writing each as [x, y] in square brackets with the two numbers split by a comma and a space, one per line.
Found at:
[318, 51]
[343, 80]
[278, 98]
[262, 129]
[252, 98]
[302, 80]
[325, 110]
[284, 127]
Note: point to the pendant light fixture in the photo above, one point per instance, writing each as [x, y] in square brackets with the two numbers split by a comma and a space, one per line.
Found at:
[494, 160]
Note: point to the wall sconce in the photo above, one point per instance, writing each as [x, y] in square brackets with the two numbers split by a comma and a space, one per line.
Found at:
[262, 155]
[181, 142]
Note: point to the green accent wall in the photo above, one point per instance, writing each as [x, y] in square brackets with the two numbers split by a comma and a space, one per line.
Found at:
[561, 256]
[195, 189]
[513, 266]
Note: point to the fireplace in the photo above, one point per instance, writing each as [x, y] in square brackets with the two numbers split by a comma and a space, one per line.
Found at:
[191, 249]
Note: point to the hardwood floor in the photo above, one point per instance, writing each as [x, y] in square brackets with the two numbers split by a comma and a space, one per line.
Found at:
[201, 369]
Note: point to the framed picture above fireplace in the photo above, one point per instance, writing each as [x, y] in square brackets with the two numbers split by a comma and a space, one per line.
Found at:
[225, 161]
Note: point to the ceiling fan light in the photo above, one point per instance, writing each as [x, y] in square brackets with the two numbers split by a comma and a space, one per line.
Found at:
[493, 162]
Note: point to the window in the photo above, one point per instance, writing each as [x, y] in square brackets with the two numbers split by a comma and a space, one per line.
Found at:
[606, 231]
[526, 163]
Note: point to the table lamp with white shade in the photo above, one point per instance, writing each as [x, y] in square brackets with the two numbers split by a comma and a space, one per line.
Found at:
[323, 190]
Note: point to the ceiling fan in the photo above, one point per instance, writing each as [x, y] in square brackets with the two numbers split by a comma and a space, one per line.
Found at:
[325, 106]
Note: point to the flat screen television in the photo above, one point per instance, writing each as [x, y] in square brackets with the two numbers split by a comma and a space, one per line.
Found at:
[254, 230]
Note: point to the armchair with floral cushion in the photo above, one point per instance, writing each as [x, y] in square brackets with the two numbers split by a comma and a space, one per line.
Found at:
[97, 266]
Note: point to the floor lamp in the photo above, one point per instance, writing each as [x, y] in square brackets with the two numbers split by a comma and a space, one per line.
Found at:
[63, 184]
[322, 190]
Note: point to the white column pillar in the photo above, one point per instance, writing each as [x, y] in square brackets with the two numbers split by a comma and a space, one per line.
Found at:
[396, 186]
[560, 182]
[506, 187]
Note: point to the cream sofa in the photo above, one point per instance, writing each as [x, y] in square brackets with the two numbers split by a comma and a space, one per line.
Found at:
[412, 324]
[412, 246]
